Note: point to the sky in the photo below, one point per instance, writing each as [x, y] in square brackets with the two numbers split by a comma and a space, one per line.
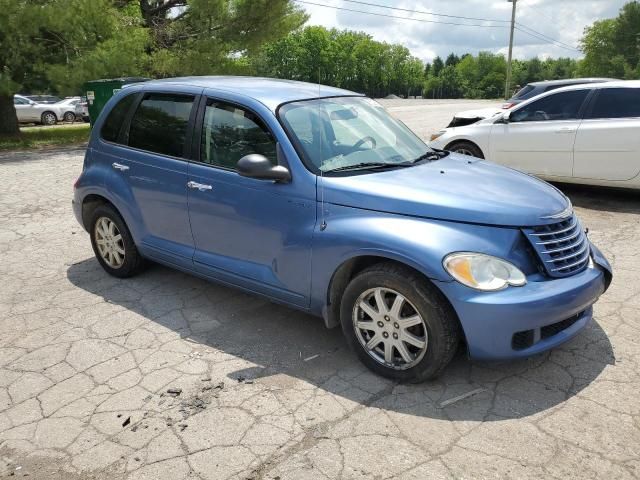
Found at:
[560, 20]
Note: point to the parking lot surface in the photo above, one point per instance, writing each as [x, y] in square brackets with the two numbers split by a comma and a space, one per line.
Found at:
[167, 376]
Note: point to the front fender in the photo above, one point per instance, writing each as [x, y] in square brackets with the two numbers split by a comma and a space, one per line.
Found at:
[417, 242]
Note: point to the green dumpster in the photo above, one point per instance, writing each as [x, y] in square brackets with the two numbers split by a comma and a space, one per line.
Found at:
[99, 92]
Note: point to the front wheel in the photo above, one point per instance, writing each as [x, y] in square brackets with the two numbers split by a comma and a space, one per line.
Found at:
[465, 148]
[69, 117]
[400, 325]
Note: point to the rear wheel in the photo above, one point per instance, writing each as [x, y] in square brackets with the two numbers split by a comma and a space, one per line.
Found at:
[466, 148]
[49, 118]
[399, 324]
[112, 243]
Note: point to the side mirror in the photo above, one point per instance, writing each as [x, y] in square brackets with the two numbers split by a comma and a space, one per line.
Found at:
[259, 167]
[505, 117]
[31, 102]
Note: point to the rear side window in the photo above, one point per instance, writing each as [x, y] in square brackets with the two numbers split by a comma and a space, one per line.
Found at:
[160, 123]
[111, 126]
[616, 103]
[558, 106]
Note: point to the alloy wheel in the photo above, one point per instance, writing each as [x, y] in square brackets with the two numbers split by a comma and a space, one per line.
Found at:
[390, 328]
[49, 119]
[109, 241]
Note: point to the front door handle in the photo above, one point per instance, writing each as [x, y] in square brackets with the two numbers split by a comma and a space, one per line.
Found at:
[119, 166]
[199, 186]
[566, 130]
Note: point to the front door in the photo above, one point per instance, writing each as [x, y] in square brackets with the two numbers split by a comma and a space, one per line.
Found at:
[539, 136]
[252, 233]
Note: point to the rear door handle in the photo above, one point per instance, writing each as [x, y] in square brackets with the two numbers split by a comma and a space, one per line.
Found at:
[119, 166]
[199, 186]
[566, 130]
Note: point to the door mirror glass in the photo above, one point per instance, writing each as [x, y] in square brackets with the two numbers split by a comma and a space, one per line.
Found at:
[258, 166]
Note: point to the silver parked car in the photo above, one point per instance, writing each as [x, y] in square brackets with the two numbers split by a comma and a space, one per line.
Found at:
[68, 106]
[29, 111]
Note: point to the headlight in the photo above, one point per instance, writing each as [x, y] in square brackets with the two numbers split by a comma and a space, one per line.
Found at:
[483, 272]
[437, 135]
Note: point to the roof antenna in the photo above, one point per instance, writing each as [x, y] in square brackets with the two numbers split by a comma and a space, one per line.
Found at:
[323, 223]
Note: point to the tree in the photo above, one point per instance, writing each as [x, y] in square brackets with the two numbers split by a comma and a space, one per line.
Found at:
[612, 46]
[59, 44]
[437, 66]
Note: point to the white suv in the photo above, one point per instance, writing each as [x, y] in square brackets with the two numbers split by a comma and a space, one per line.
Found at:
[29, 111]
[580, 134]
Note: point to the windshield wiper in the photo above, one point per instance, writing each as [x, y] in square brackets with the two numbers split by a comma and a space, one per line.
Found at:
[368, 166]
[433, 155]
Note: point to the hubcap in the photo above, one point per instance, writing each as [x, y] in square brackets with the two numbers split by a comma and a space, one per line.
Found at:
[49, 118]
[109, 242]
[464, 151]
[390, 328]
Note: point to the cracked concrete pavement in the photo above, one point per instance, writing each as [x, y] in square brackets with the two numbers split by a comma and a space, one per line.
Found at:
[86, 362]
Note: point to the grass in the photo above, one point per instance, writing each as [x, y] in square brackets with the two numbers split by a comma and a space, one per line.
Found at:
[38, 137]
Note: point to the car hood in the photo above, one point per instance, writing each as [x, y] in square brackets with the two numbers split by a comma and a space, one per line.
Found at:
[457, 188]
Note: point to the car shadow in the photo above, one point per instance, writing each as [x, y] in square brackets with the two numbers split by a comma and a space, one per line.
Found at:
[607, 199]
[282, 342]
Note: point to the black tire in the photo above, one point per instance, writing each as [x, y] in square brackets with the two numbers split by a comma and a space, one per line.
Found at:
[133, 262]
[443, 331]
[69, 117]
[465, 148]
[48, 118]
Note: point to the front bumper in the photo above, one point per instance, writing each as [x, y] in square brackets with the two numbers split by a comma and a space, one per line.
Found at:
[522, 321]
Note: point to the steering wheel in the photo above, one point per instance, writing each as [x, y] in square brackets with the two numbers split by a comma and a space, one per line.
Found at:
[364, 140]
[541, 115]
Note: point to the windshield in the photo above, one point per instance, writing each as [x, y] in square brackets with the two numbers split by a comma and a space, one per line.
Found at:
[338, 133]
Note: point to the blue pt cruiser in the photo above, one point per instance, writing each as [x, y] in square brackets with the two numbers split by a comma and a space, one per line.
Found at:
[317, 198]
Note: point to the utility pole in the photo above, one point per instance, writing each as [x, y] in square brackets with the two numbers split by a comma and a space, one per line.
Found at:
[507, 87]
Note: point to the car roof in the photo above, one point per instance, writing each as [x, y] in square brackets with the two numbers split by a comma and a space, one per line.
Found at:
[272, 92]
[611, 84]
[571, 81]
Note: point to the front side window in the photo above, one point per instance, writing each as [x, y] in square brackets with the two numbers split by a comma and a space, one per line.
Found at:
[230, 132]
[617, 103]
[20, 101]
[160, 123]
[559, 106]
[115, 119]
[343, 132]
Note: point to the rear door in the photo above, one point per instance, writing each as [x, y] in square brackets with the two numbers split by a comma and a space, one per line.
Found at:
[149, 157]
[539, 136]
[607, 145]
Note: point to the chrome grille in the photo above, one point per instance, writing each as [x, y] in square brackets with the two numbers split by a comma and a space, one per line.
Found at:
[563, 248]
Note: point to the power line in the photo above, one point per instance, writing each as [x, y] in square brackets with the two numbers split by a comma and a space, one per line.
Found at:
[539, 10]
[424, 20]
[546, 37]
[424, 12]
[520, 27]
